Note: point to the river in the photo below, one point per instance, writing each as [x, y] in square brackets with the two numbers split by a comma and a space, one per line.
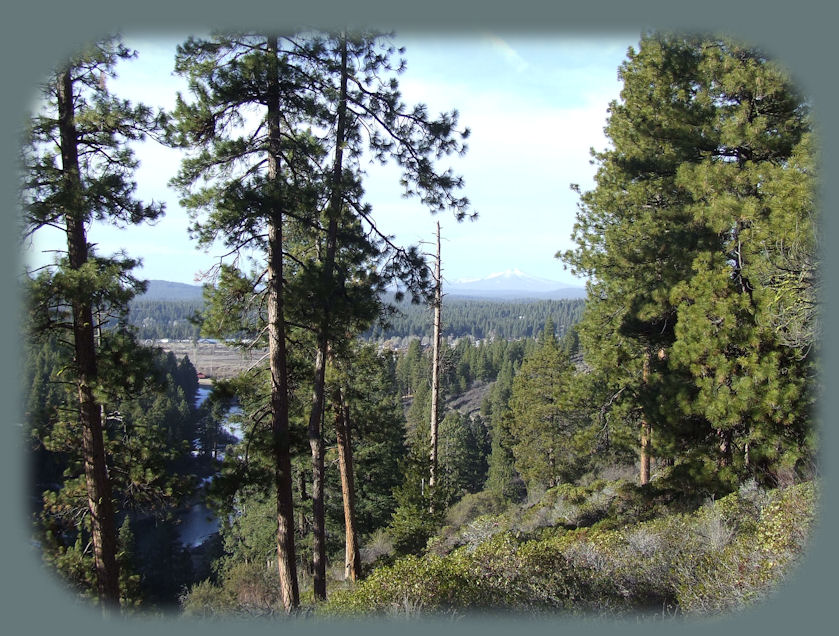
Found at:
[196, 522]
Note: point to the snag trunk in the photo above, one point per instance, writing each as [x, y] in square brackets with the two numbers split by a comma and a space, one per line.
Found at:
[435, 363]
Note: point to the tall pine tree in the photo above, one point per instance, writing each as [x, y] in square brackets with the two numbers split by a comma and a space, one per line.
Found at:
[335, 89]
[251, 177]
[679, 238]
[78, 168]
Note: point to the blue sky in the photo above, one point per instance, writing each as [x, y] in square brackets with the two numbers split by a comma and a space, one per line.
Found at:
[534, 105]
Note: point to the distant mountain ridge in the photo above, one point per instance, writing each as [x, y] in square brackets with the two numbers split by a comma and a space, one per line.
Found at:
[168, 290]
[512, 284]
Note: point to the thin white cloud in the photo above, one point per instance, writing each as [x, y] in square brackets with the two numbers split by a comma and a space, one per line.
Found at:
[531, 133]
[507, 52]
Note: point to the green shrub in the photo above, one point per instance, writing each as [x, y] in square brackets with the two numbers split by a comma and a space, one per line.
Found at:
[765, 548]
[245, 588]
[420, 584]
[720, 557]
[205, 599]
[379, 546]
[410, 529]
[469, 521]
[472, 506]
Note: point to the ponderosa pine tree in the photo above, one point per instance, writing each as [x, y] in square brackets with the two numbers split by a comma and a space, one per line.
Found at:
[635, 237]
[755, 191]
[675, 238]
[502, 479]
[251, 177]
[78, 168]
[463, 455]
[147, 430]
[542, 421]
[346, 89]
[355, 78]
[412, 369]
[370, 441]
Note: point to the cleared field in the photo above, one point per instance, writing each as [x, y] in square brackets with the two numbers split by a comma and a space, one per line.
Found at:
[213, 359]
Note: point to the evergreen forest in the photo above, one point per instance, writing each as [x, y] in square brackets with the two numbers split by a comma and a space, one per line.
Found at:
[651, 449]
[479, 319]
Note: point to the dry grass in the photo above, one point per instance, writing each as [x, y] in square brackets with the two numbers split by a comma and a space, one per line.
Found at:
[214, 360]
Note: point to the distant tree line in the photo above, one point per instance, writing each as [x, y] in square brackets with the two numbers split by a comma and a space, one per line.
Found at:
[158, 319]
[479, 319]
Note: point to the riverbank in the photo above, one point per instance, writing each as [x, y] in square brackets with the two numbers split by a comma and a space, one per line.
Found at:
[212, 359]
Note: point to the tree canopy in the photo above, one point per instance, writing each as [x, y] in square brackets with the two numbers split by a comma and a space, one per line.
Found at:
[682, 239]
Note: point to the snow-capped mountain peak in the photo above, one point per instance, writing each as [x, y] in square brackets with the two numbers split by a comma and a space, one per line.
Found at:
[512, 283]
[506, 274]
[510, 273]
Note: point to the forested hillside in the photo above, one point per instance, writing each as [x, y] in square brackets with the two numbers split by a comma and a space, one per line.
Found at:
[158, 445]
[652, 448]
[158, 319]
[167, 290]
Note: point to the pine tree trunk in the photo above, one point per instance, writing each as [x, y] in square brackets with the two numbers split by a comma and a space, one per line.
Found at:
[352, 558]
[318, 397]
[286, 558]
[301, 488]
[646, 429]
[435, 362]
[725, 436]
[316, 447]
[100, 505]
